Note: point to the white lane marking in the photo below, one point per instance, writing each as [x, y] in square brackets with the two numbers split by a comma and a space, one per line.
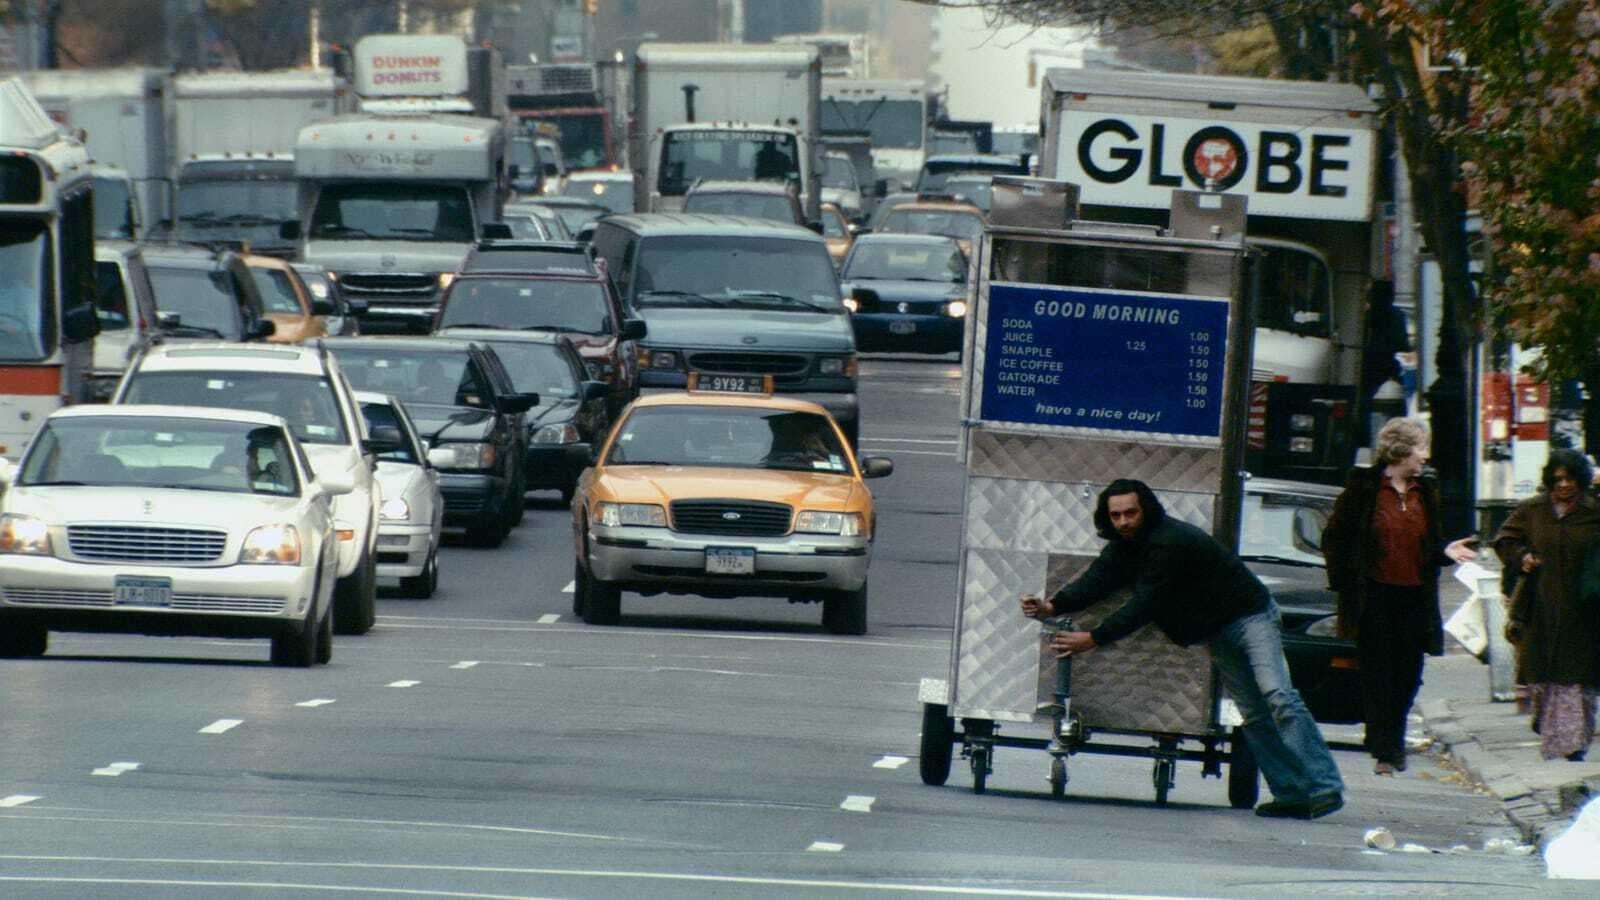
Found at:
[825, 847]
[857, 803]
[548, 619]
[403, 683]
[221, 725]
[465, 664]
[571, 586]
[634, 875]
[115, 769]
[891, 762]
[17, 800]
[320, 701]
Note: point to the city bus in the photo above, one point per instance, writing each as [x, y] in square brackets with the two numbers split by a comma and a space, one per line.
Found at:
[47, 275]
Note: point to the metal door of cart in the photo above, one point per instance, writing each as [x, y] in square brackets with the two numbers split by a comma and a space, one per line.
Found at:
[1096, 351]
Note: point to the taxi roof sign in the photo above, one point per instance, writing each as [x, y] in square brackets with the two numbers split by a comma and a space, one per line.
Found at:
[706, 383]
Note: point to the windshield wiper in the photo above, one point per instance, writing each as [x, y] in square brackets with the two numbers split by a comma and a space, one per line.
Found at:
[61, 483]
[560, 329]
[698, 299]
[194, 329]
[781, 298]
[328, 229]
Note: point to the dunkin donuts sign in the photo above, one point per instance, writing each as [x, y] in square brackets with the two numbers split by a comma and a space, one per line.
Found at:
[1303, 172]
[405, 65]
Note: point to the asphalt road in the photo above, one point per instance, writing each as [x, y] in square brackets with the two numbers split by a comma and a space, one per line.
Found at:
[486, 744]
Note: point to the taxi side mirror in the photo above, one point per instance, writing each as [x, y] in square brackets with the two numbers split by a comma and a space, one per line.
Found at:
[876, 466]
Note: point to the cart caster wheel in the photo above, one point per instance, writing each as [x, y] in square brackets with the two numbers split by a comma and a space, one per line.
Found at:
[1244, 785]
[1163, 780]
[938, 740]
[1058, 777]
[980, 768]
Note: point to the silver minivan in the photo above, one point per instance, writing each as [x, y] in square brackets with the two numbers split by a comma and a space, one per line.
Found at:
[126, 307]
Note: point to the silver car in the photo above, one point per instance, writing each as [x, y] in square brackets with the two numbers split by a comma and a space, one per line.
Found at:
[412, 514]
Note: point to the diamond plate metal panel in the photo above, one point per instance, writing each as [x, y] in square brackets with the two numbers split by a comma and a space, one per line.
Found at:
[1048, 458]
[996, 660]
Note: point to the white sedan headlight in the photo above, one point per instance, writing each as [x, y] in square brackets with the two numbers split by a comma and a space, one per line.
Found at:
[563, 433]
[463, 456]
[271, 545]
[647, 514]
[812, 521]
[24, 534]
[395, 510]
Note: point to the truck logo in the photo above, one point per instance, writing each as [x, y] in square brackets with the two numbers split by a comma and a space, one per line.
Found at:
[1216, 158]
[389, 161]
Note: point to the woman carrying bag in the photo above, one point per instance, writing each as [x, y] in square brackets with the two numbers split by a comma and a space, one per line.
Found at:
[1556, 626]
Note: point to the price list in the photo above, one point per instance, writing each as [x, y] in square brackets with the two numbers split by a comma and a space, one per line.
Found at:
[1110, 360]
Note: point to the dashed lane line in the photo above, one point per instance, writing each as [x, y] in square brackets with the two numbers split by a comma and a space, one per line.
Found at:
[320, 701]
[891, 762]
[403, 683]
[17, 800]
[548, 619]
[465, 664]
[825, 847]
[115, 769]
[571, 586]
[857, 803]
[222, 725]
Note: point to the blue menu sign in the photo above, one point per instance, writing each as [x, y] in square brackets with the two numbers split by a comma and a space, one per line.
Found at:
[1110, 360]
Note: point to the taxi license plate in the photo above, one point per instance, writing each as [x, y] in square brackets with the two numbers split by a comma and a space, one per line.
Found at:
[902, 328]
[730, 561]
[134, 591]
[733, 384]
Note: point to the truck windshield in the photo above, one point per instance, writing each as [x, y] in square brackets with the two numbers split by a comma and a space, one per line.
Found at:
[393, 212]
[202, 298]
[24, 289]
[839, 174]
[205, 205]
[113, 209]
[703, 270]
[894, 124]
[583, 138]
[690, 156]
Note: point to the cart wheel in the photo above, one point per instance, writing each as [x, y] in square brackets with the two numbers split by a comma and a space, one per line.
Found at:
[1244, 787]
[1163, 780]
[1058, 777]
[938, 740]
[980, 768]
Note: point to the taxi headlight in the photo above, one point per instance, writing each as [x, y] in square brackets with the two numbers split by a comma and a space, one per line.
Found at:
[813, 521]
[646, 514]
[562, 433]
[24, 534]
[955, 309]
[271, 545]
[446, 279]
[396, 509]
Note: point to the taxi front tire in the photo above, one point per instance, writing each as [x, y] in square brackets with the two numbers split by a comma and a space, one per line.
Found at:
[599, 602]
[845, 612]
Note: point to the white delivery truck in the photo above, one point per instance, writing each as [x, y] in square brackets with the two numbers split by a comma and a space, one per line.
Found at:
[121, 116]
[233, 134]
[392, 203]
[736, 112]
[1306, 156]
[894, 113]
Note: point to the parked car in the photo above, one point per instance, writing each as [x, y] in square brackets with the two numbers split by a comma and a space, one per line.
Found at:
[723, 295]
[171, 521]
[305, 387]
[836, 233]
[613, 190]
[344, 321]
[205, 294]
[558, 287]
[126, 306]
[908, 293]
[296, 315]
[570, 418]
[412, 514]
[469, 416]
[726, 495]
[768, 200]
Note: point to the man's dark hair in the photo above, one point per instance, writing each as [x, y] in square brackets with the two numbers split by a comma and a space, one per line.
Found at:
[1576, 464]
[1149, 506]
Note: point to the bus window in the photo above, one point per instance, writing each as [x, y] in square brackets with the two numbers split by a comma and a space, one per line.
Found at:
[26, 313]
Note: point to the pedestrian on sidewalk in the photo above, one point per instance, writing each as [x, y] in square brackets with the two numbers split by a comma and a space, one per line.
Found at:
[1384, 547]
[1194, 589]
[1547, 538]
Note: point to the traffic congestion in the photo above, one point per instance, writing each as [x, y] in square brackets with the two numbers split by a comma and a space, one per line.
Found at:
[708, 469]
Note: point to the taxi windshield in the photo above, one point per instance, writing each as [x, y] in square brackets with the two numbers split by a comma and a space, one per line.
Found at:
[728, 436]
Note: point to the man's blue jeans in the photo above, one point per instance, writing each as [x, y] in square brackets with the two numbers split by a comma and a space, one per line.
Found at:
[1248, 654]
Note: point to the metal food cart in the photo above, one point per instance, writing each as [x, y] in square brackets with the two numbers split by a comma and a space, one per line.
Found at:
[1095, 351]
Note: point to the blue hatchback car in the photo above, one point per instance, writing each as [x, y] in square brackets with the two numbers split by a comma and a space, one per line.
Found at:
[907, 292]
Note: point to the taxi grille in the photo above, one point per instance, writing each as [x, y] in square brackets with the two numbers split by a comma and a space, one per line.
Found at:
[749, 363]
[130, 543]
[742, 518]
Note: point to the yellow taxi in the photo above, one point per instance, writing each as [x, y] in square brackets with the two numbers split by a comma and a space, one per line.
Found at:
[726, 493]
[928, 215]
[836, 233]
[295, 314]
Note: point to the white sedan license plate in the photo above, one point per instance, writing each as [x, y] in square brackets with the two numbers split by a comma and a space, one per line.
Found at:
[902, 328]
[730, 561]
[134, 591]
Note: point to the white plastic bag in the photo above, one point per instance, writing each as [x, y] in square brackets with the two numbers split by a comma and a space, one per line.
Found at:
[1576, 853]
[1468, 627]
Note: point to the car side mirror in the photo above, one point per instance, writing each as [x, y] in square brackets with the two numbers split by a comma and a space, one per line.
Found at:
[382, 439]
[511, 404]
[853, 229]
[263, 329]
[356, 306]
[335, 484]
[579, 456]
[289, 231]
[80, 324]
[633, 330]
[321, 306]
[876, 466]
[595, 390]
[497, 231]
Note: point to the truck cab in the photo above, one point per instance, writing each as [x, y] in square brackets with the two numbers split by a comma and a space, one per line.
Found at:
[725, 151]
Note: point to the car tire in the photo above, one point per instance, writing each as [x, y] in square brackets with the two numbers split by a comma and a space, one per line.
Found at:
[422, 586]
[489, 532]
[18, 641]
[355, 599]
[325, 639]
[602, 601]
[578, 577]
[516, 501]
[845, 612]
[297, 649]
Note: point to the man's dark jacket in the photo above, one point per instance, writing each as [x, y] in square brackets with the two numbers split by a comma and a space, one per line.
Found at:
[1182, 579]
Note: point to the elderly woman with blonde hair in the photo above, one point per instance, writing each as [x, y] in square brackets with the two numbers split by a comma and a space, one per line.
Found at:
[1384, 549]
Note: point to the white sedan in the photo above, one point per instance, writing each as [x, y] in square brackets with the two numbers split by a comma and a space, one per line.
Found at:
[412, 514]
[169, 520]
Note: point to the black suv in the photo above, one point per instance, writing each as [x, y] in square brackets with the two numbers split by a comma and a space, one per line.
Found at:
[205, 294]
[549, 286]
[468, 413]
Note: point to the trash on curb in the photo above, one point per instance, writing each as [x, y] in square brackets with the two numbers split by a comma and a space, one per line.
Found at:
[1414, 848]
[1379, 839]
[1576, 853]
